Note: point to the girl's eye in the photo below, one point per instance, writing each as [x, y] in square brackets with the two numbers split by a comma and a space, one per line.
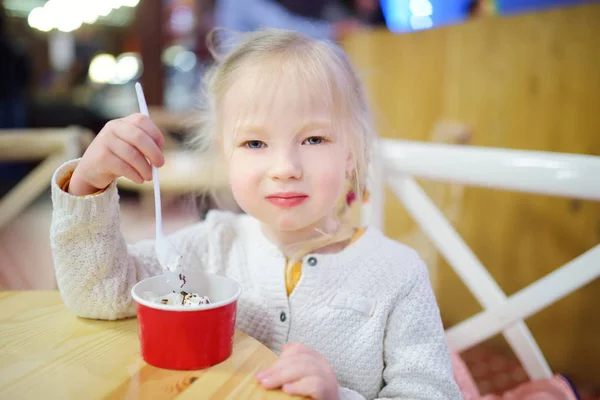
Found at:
[254, 144]
[314, 140]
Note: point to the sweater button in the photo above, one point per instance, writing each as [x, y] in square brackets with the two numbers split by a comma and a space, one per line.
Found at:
[312, 261]
[282, 316]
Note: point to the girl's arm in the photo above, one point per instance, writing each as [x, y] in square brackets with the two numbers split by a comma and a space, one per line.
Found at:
[416, 355]
[95, 269]
[417, 358]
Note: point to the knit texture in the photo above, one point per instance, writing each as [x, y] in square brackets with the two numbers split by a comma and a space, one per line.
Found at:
[369, 309]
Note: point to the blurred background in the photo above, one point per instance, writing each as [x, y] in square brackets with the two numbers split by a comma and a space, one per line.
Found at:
[520, 74]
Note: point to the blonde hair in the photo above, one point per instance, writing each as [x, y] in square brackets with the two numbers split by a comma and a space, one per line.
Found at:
[311, 61]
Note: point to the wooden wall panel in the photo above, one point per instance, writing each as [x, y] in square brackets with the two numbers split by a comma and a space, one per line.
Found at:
[524, 82]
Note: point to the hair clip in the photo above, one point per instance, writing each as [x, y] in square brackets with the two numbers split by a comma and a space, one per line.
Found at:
[350, 197]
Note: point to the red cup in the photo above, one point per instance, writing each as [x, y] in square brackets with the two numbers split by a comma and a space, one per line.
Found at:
[187, 337]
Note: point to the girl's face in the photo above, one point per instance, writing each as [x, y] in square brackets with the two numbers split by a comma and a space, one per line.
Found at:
[287, 166]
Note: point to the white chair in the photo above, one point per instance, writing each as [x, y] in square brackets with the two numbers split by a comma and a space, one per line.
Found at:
[53, 146]
[446, 196]
[575, 176]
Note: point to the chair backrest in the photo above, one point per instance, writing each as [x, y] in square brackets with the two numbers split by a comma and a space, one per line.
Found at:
[396, 165]
[53, 145]
[447, 197]
[37, 144]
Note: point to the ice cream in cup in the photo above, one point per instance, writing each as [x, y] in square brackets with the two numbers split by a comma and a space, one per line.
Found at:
[189, 330]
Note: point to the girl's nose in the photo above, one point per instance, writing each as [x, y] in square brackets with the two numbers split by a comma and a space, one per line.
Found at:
[286, 165]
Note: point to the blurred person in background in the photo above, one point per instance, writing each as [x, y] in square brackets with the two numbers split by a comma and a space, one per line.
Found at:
[368, 11]
[480, 8]
[319, 19]
[15, 74]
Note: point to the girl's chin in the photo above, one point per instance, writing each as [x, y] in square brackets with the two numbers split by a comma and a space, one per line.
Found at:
[287, 225]
[288, 222]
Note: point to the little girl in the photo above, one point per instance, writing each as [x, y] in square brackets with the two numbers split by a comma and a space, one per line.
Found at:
[350, 312]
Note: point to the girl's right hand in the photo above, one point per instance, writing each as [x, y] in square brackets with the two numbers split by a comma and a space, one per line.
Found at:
[124, 147]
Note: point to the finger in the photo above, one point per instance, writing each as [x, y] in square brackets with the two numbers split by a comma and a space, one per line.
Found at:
[288, 349]
[293, 349]
[310, 386]
[131, 156]
[121, 168]
[145, 123]
[139, 139]
[288, 370]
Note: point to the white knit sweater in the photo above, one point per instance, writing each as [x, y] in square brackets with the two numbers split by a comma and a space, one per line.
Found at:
[369, 309]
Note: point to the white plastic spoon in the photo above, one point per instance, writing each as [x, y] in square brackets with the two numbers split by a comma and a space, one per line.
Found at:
[166, 253]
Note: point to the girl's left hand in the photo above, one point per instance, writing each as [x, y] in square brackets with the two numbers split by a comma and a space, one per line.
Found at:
[301, 371]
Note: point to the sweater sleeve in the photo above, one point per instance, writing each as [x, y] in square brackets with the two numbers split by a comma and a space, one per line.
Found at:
[349, 394]
[95, 269]
[417, 362]
[416, 355]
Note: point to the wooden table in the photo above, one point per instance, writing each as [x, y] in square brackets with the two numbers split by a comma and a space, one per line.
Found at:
[48, 353]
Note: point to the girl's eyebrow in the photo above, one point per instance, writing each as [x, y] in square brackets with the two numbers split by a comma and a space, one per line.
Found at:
[314, 125]
[251, 130]
[256, 129]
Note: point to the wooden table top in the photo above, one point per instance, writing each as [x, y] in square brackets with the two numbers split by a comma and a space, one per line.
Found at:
[46, 352]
